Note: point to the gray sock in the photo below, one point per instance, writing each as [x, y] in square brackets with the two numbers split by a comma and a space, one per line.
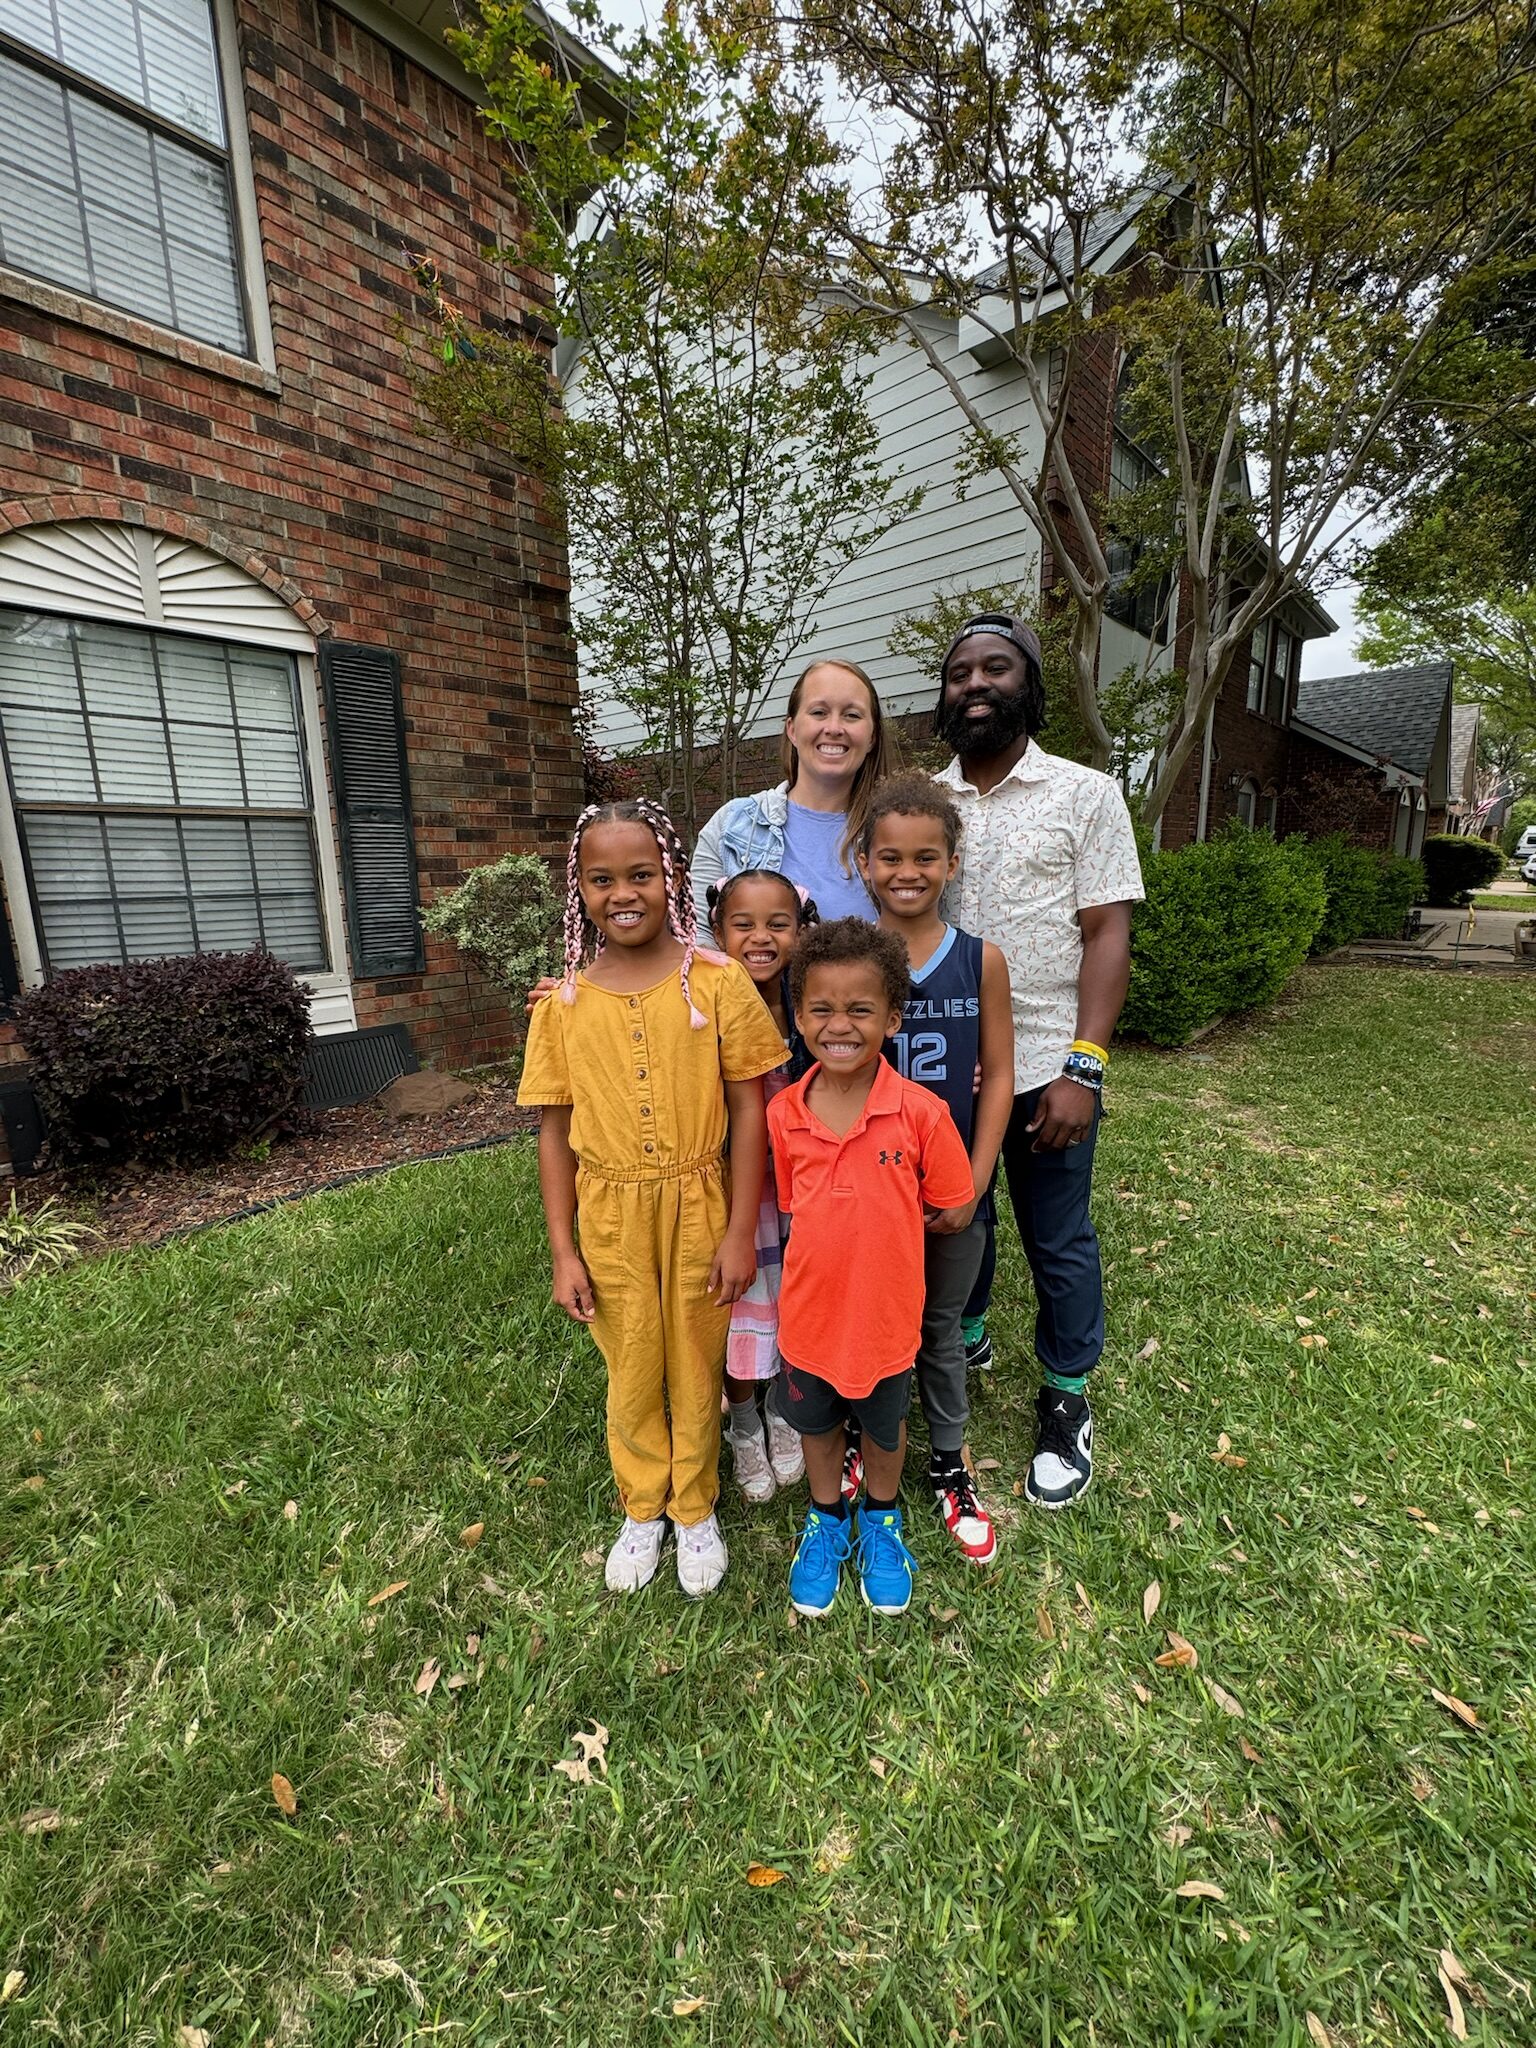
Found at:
[744, 1423]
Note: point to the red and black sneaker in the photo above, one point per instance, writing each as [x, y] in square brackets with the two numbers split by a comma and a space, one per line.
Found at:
[954, 1495]
[853, 1466]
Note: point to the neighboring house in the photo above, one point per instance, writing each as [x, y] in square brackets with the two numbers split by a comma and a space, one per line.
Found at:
[974, 540]
[1392, 728]
[274, 661]
[1466, 728]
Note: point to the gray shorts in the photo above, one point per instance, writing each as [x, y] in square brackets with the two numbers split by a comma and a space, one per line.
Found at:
[814, 1407]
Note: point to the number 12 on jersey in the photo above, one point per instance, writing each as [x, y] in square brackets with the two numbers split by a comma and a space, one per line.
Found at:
[920, 1056]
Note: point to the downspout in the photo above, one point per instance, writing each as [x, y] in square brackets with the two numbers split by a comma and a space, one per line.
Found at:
[1202, 818]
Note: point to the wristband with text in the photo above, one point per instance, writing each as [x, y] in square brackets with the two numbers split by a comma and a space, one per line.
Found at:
[1087, 1045]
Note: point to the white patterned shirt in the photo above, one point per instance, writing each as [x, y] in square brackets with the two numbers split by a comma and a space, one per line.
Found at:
[1051, 839]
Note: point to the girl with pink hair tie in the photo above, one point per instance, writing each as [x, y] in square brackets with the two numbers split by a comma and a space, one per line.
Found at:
[647, 1060]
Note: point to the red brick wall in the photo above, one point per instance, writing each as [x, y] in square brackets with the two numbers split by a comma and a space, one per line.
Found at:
[328, 482]
[1244, 743]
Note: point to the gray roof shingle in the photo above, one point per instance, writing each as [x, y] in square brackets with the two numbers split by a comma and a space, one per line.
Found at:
[1393, 713]
[1465, 719]
[1103, 228]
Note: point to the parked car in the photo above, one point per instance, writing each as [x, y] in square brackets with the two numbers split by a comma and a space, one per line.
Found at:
[1525, 845]
[1529, 871]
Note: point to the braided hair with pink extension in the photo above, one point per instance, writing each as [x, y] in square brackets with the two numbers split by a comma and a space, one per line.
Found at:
[582, 939]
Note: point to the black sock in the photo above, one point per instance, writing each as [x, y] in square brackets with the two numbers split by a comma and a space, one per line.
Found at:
[944, 1464]
[879, 1507]
[832, 1511]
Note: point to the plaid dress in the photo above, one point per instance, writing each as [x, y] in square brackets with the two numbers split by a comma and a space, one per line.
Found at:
[752, 1344]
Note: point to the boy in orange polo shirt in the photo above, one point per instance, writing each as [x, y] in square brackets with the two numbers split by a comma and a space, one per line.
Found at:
[861, 1157]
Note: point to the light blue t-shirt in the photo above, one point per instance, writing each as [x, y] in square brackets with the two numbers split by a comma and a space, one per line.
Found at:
[812, 843]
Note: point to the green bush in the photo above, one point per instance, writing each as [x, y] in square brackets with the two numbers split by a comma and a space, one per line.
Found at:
[505, 918]
[1224, 927]
[1369, 892]
[1400, 887]
[1352, 876]
[1454, 867]
[1521, 814]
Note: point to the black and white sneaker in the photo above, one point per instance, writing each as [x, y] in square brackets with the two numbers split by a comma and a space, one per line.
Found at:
[978, 1352]
[1062, 1467]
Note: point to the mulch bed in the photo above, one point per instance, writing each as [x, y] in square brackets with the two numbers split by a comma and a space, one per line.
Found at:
[144, 1207]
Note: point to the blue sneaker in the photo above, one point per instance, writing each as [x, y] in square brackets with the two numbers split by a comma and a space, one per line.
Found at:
[886, 1566]
[825, 1542]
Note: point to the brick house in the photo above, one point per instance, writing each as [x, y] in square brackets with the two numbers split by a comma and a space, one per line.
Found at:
[275, 663]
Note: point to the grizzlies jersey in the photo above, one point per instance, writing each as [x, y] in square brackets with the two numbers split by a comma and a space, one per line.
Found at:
[940, 1038]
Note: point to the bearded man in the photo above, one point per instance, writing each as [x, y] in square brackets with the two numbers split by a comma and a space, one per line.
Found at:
[1048, 872]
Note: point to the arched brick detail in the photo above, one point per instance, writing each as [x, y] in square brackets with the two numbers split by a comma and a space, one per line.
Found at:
[59, 506]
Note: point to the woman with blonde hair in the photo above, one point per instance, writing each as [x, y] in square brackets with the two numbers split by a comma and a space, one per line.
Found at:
[835, 753]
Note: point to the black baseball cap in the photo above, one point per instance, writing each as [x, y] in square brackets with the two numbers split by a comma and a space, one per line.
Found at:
[1023, 636]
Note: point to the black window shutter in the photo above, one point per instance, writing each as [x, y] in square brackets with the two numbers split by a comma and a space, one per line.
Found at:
[373, 806]
[10, 980]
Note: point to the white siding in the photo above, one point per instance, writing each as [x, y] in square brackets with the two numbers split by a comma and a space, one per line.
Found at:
[985, 539]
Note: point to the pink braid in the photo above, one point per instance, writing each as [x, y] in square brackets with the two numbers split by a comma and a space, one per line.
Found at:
[682, 919]
[575, 909]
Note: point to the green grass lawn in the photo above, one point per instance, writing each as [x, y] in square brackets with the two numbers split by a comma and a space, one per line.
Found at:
[1525, 903]
[216, 1454]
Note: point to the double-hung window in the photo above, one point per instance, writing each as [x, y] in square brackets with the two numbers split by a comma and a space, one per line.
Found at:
[115, 177]
[1132, 600]
[161, 793]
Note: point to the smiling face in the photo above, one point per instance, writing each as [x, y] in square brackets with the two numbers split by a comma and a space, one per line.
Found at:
[622, 883]
[832, 726]
[845, 1014]
[985, 709]
[908, 864]
[757, 925]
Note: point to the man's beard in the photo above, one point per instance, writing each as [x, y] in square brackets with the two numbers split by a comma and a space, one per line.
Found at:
[982, 738]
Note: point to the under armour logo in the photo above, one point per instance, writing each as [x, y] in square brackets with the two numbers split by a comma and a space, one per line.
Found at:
[890, 1159]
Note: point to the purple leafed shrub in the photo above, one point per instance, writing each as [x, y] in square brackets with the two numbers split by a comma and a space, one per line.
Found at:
[165, 1061]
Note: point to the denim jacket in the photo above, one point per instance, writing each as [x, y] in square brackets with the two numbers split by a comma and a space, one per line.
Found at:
[748, 832]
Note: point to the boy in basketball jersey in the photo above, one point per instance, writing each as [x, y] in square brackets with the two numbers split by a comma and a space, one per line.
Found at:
[958, 1022]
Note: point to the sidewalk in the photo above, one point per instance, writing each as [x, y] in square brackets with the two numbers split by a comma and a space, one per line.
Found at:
[1483, 939]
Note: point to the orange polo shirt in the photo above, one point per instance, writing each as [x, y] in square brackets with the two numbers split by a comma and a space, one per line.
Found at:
[851, 1300]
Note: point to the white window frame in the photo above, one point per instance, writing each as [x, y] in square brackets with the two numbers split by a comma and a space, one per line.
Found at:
[108, 317]
[332, 1008]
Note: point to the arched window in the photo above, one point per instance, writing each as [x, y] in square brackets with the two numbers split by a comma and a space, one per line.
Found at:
[1248, 802]
[165, 786]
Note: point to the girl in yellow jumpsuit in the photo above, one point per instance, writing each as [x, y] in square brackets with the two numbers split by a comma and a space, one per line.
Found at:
[644, 1062]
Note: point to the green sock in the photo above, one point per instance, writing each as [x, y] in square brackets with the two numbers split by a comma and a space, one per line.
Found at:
[1067, 1383]
[972, 1329]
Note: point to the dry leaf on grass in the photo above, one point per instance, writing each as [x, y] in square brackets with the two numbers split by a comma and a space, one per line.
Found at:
[1451, 1967]
[395, 1586]
[1082, 1593]
[284, 1794]
[946, 1615]
[1317, 2032]
[458, 1680]
[877, 1765]
[988, 1465]
[1457, 2014]
[426, 1678]
[1304, 1322]
[1176, 1834]
[1197, 1888]
[1150, 1349]
[1224, 1699]
[591, 1557]
[1045, 1628]
[763, 1874]
[1407, 1635]
[1314, 1340]
[1416, 1514]
[1358, 1499]
[592, 1746]
[1151, 1600]
[685, 2008]
[1174, 1521]
[471, 1536]
[1452, 1705]
[15, 1983]
[40, 1820]
[1250, 1754]
[1223, 1443]
[1179, 1655]
[195, 2037]
[1141, 1692]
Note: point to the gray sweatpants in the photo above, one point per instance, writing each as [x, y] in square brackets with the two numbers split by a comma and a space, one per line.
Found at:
[950, 1266]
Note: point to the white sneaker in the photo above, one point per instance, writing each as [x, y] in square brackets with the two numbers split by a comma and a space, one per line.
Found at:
[633, 1558]
[786, 1454]
[701, 1558]
[754, 1475]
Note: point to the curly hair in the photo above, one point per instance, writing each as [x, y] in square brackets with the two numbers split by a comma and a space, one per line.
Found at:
[582, 938]
[912, 795]
[847, 942]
